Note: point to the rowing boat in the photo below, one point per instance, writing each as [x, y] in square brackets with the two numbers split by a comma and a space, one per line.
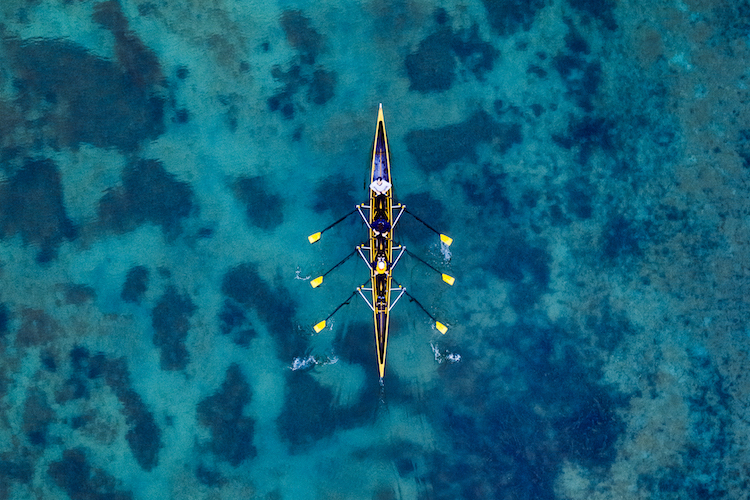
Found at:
[381, 216]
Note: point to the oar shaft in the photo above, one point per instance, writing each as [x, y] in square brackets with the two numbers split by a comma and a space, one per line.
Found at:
[423, 222]
[412, 299]
[340, 220]
[341, 305]
[423, 261]
[342, 261]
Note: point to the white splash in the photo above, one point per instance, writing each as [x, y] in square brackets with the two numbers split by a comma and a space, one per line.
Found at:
[298, 277]
[445, 355]
[304, 363]
[446, 251]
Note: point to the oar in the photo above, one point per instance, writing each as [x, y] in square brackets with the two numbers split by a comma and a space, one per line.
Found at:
[316, 236]
[318, 327]
[317, 281]
[440, 327]
[444, 238]
[448, 279]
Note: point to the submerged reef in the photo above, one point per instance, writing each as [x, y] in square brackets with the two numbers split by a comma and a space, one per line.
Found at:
[222, 413]
[434, 149]
[171, 321]
[273, 305]
[162, 162]
[148, 193]
[263, 208]
[433, 67]
[33, 206]
[76, 477]
[302, 70]
[67, 83]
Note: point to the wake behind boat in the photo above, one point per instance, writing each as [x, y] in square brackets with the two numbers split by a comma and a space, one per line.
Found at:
[378, 254]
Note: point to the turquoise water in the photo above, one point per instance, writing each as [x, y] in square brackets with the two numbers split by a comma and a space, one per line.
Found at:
[164, 162]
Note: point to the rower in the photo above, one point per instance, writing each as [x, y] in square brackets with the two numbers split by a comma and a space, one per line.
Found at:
[380, 186]
[380, 226]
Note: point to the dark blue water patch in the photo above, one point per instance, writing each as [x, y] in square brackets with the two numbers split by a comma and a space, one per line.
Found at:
[208, 477]
[475, 54]
[302, 71]
[601, 10]
[488, 191]
[149, 193]
[73, 388]
[33, 207]
[322, 87]
[518, 261]
[536, 70]
[622, 239]
[83, 98]
[144, 435]
[579, 196]
[75, 475]
[264, 209]
[283, 99]
[37, 328]
[273, 305]
[587, 135]
[574, 42]
[234, 322]
[434, 149]
[49, 363]
[508, 17]
[352, 346]
[37, 417]
[308, 414]
[344, 200]
[222, 414]
[581, 74]
[231, 317]
[171, 321]
[514, 442]
[432, 68]
[608, 327]
[136, 284]
[4, 319]
[78, 294]
[301, 35]
[183, 116]
[18, 470]
[138, 61]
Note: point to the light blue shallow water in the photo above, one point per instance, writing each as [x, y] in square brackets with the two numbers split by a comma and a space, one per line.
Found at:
[164, 162]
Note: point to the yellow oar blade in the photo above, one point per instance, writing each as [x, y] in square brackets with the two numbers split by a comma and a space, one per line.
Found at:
[449, 279]
[446, 239]
[319, 326]
[315, 237]
[316, 282]
[441, 327]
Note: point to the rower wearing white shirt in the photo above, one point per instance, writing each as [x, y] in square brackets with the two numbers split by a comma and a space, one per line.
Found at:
[380, 186]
